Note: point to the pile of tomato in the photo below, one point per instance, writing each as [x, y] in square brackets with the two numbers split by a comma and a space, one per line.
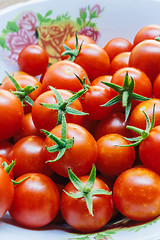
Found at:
[82, 145]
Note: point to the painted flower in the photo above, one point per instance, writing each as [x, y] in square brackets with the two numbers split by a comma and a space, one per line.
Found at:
[90, 32]
[16, 41]
[53, 36]
[28, 22]
[97, 8]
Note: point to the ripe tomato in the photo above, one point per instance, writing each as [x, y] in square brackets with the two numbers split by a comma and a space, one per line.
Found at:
[12, 114]
[113, 123]
[5, 147]
[119, 61]
[113, 160]
[116, 46]
[136, 194]
[156, 87]
[94, 57]
[33, 59]
[98, 81]
[76, 213]
[61, 75]
[2, 160]
[36, 201]
[45, 118]
[71, 43]
[80, 157]
[146, 57]
[148, 32]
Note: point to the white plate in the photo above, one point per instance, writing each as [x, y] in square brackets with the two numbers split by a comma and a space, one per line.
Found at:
[119, 18]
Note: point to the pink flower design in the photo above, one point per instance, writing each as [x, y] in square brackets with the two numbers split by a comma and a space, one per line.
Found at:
[90, 32]
[97, 8]
[16, 41]
[28, 21]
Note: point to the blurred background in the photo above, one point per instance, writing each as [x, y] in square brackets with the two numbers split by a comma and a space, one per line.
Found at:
[7, 3]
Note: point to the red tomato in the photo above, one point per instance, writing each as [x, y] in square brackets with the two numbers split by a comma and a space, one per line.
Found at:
[45, 118]
[80, 157]
[36, 201]
[98, 81]
[94, 60]
[147, 32]
[116, 46]
[71, 43]
[137, 117]
[2, 160]
[156, 87]
[136, 194]
[61, 75]
[119, 61]
[33, 59]
[76, 213]
[113, 160]
[146, 57]
[12, 114]
[5, 147]
[113, 123]
[28, 153]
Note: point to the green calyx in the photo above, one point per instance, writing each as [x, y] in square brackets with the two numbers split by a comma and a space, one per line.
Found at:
[62, 144]
[143, 133]
[157, 38]
[73, 53]
[86, 190]
[126, 95]
[64, 106]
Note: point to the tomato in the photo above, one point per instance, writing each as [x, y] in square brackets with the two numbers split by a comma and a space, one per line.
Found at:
[71, 43]
[112, 160]
[113, 123]
[136, 194]
[94, 57]
[99, 81]
[14, 74]
[116, 46]
[28, 128]
[137, 117]
[36, 201]
[33, 59]
[6, 192]
[24, 80]
[45, 118]
[80, 157]
[61, 75]
[119, 61]
[156, 87]
[2, 160]
[76, 213]
[147, 32]
[146, 57]
[92, 101]
[28, 153]
[12, 114]
[5, 147]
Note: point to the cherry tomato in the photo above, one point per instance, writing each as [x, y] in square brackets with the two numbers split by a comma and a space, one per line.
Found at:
[146, 57]
[119, 61]
[116, 46]
[156, 87]
[61, 75]
[136, 194]
[5, 147]
[99, 81]
[33, 59]
[36, 201]
[76, 213]
[148, 32]
[112, 160]
[80, 157]
[12, 114]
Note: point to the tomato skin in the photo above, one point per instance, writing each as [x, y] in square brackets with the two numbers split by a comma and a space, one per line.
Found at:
[5, 147]
[147, 32]
[33, 59]
[113, 160]
[6, 192]
[2, 160]
[116, 46]
[119, 61]
[137, 117]
[36, 201]
[94, 57]
[156, 87]
[149, 150]
[45, 118]
[146, 57]
[71, 43]
[99, 81]
[80, 157]
[76, 213]
[61, 75]
[136, 194]
[113, 123]
[12, 109]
